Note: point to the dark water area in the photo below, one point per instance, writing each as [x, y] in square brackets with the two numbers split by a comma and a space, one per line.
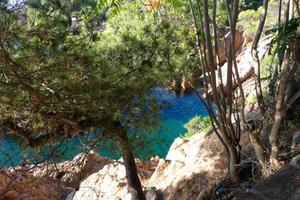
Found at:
[172, 118]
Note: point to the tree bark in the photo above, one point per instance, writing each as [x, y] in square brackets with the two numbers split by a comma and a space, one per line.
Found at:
[233, 162]
[259, 151]
[224, 106]
[133, 181]
[279, 113]
[260, 99]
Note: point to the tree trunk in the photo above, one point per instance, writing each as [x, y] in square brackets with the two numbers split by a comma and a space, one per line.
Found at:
[133, 181]
[233, 162]
[260, 99]
[279, 113]
[259, 151]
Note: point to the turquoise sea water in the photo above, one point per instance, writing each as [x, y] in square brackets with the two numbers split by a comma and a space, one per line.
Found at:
[183, 107]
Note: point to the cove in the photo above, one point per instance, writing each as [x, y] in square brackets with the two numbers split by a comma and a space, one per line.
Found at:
[172, 118]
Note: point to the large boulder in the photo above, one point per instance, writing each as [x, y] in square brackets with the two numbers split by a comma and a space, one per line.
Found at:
[183, 84]
[187, 83]
[107, 184]
[191, 165]
[223, 45]
[110, 182]
[283, 185]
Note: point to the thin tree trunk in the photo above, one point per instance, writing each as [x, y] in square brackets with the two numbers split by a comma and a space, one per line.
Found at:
[259, 151]
[226, 129]
[279, 113]
[233, 162]
[274, 77]
[296, 2]
[260, 99]
[133, 181]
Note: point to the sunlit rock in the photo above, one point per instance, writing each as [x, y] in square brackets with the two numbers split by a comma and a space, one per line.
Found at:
[191, 164]
[71, 172]
[22, 186]
[110, 182]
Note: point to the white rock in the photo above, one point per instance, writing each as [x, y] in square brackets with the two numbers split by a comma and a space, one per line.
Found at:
[201, 154]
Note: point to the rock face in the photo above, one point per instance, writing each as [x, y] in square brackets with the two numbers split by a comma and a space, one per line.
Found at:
[187, 83]
[189, 171]
[49, 181]
[191, 164]
[110, 182]
[20, 186]
[283, 185]
[182, 84]
[71, 173]
[224, 45]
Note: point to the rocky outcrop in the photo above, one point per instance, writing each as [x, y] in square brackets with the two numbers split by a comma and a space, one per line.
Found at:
[223, 46]
[191, 170]
[16, 185]
[69, 173]
[190, 166]
[182, 84]
[246, 66]
[110, 182]
[283, 185]
[187, 83]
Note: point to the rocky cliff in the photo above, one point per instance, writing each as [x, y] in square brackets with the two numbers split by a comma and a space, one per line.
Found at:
[191, 165]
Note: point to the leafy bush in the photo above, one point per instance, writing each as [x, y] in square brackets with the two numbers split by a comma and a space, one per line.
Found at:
[249, 21]
[285, 34]
[250, 4]
[197, 125]
[268, 64]
[249, 18]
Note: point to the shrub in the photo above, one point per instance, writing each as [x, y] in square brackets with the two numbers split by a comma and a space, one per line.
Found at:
[249, 21]
[267, 65]
[197, 125]
[251, 4]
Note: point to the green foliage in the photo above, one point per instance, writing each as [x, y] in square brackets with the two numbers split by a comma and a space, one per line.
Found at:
[268, 64]
[222, 13]
[249, 21]
[285, 34]
[251, 98]
[250, 4]
[197, 125]
[65, 61]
